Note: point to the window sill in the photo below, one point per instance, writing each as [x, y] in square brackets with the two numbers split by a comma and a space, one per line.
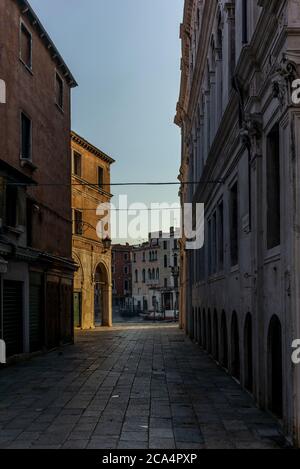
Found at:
[26, 163]
[60, 109]
[272, 255]
[16, 230]
[235, 269]
[29, 69]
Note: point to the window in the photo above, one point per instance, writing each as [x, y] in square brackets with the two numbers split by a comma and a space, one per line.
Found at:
[210, 247]
[26, 137]
[144, 257]
[149, 274]
[126, 285]
[136, 276]
[59, 91]
[175, 260]
[77, 164]
[221, 236]
[78, 222]
[175, 244]
[11, 206]
[100, 177]
[245, 21]
[134, 257]
[166, 283]
[126, 270]
[165, 261]
[273, 188]
[157, 274]
[234, 225]
[214, 243]
[144, 276]
[165, 245]
[125, 257]
[25, 46]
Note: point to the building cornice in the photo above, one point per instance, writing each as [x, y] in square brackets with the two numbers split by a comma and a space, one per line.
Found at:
[91, 148]
[28, 12]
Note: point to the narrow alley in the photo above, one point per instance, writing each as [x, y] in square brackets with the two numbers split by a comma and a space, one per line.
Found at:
[132, 386]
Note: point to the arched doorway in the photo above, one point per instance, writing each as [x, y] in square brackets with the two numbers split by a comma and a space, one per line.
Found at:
[204, 330]
[199, 326]
[102, 303]
[248, 353]
[216, 336]
[224, 341]
[209, 346]
[235, 348]
[275, 367]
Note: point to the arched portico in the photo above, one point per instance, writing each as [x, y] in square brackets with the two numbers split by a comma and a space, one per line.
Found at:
[102, 297]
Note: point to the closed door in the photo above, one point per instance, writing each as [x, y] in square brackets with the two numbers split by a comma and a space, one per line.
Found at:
[13, 317]
[36, 313]
[77, 309]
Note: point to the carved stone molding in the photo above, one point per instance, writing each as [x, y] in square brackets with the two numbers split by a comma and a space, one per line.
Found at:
[284, 74]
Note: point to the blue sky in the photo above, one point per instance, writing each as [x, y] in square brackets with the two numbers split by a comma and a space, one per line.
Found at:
[125, 55]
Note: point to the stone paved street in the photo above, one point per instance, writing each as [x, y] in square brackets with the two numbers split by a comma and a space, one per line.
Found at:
[130, 387]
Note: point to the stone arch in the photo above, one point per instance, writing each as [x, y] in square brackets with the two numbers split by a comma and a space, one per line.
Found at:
[216, 336]
[224, 341]
[235, 347]
[79, 275]
[275, 372]
[248, 357]
[102, 296]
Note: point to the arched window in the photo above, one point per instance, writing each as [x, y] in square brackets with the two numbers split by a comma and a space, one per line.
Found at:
[216, 336]
[149, 274]
[248, 353]
[153, 274]
[157, 274]
[235, 347]
[144, 276]
[224, 341]
[136, 276]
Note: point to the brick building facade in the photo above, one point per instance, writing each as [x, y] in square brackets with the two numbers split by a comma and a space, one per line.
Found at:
[35, 196]
[122, 275]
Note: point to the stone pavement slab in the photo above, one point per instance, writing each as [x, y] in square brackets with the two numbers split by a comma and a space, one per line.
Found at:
[135, 386]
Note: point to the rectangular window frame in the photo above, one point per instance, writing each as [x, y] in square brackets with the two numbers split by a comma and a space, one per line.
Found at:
[234, 260]
[76, 153]
[23, 26]
[22, 158]
[56, 77]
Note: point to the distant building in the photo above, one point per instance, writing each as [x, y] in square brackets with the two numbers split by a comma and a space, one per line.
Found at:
[93, 280]
[122, 276]
[155, 271]
[36, 266]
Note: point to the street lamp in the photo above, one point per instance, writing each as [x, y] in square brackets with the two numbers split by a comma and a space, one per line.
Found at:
[106, 244]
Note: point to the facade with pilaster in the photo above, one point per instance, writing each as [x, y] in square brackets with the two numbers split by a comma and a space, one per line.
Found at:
[241, 141]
